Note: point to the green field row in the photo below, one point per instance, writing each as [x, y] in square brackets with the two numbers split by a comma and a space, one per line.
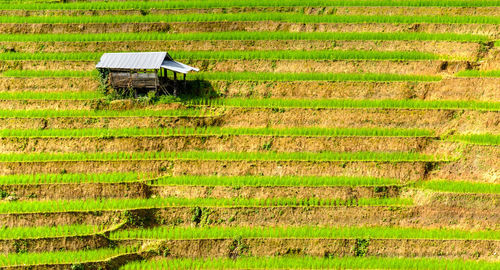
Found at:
[307, 232]
[479, 73]
[37, 179]
[176, 4]
[48, 232]
[245, 76]
[347, 103]
[210, 36]
[267, 76]
[20, 207]
[216, 131]
[271, 76]
[300, 263]
[241, 55]
[192, 180]
[481, 139]
[253, 17]
[269, 103]
[224, 156]
[62, 257]
[104, 113]
[459, 186]
[246, 181]
[273, 181]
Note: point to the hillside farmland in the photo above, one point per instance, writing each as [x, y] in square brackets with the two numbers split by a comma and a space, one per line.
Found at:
[360, 134]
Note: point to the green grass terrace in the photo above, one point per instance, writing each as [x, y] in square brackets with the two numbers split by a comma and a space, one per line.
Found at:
[238, 35]
[179, 4]
[25, 207]
[292, 262]
[215, 131]
[254, 17]
[228, 156]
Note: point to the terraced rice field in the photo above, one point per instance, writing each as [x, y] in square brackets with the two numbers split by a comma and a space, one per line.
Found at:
[318, 134]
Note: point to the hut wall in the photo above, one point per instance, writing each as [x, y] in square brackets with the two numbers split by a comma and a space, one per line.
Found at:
[133, 80]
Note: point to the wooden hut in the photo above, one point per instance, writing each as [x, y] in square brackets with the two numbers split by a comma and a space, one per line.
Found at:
[144, 70]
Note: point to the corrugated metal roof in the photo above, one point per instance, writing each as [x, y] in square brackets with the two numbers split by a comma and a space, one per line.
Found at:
[142, 60]
[178, 67]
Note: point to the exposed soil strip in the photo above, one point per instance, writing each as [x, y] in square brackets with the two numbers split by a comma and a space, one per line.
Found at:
[336, 247]
[59, 219]
[447, 89]
[141, 190]
[459, 200]
[417, 216]
[47, 65]
[480, 29]
[439, 216]
[49, 104]
[48, 84]
[481, 122]
[440, 120]
[107, 122]
[426, 67]
[454, 49]
[461, 121]
[54, 244]
[478, 163]
[77, 191]
[405, 171]
[227, 143]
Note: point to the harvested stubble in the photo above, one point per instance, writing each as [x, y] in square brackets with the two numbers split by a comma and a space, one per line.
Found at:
[25, 95]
